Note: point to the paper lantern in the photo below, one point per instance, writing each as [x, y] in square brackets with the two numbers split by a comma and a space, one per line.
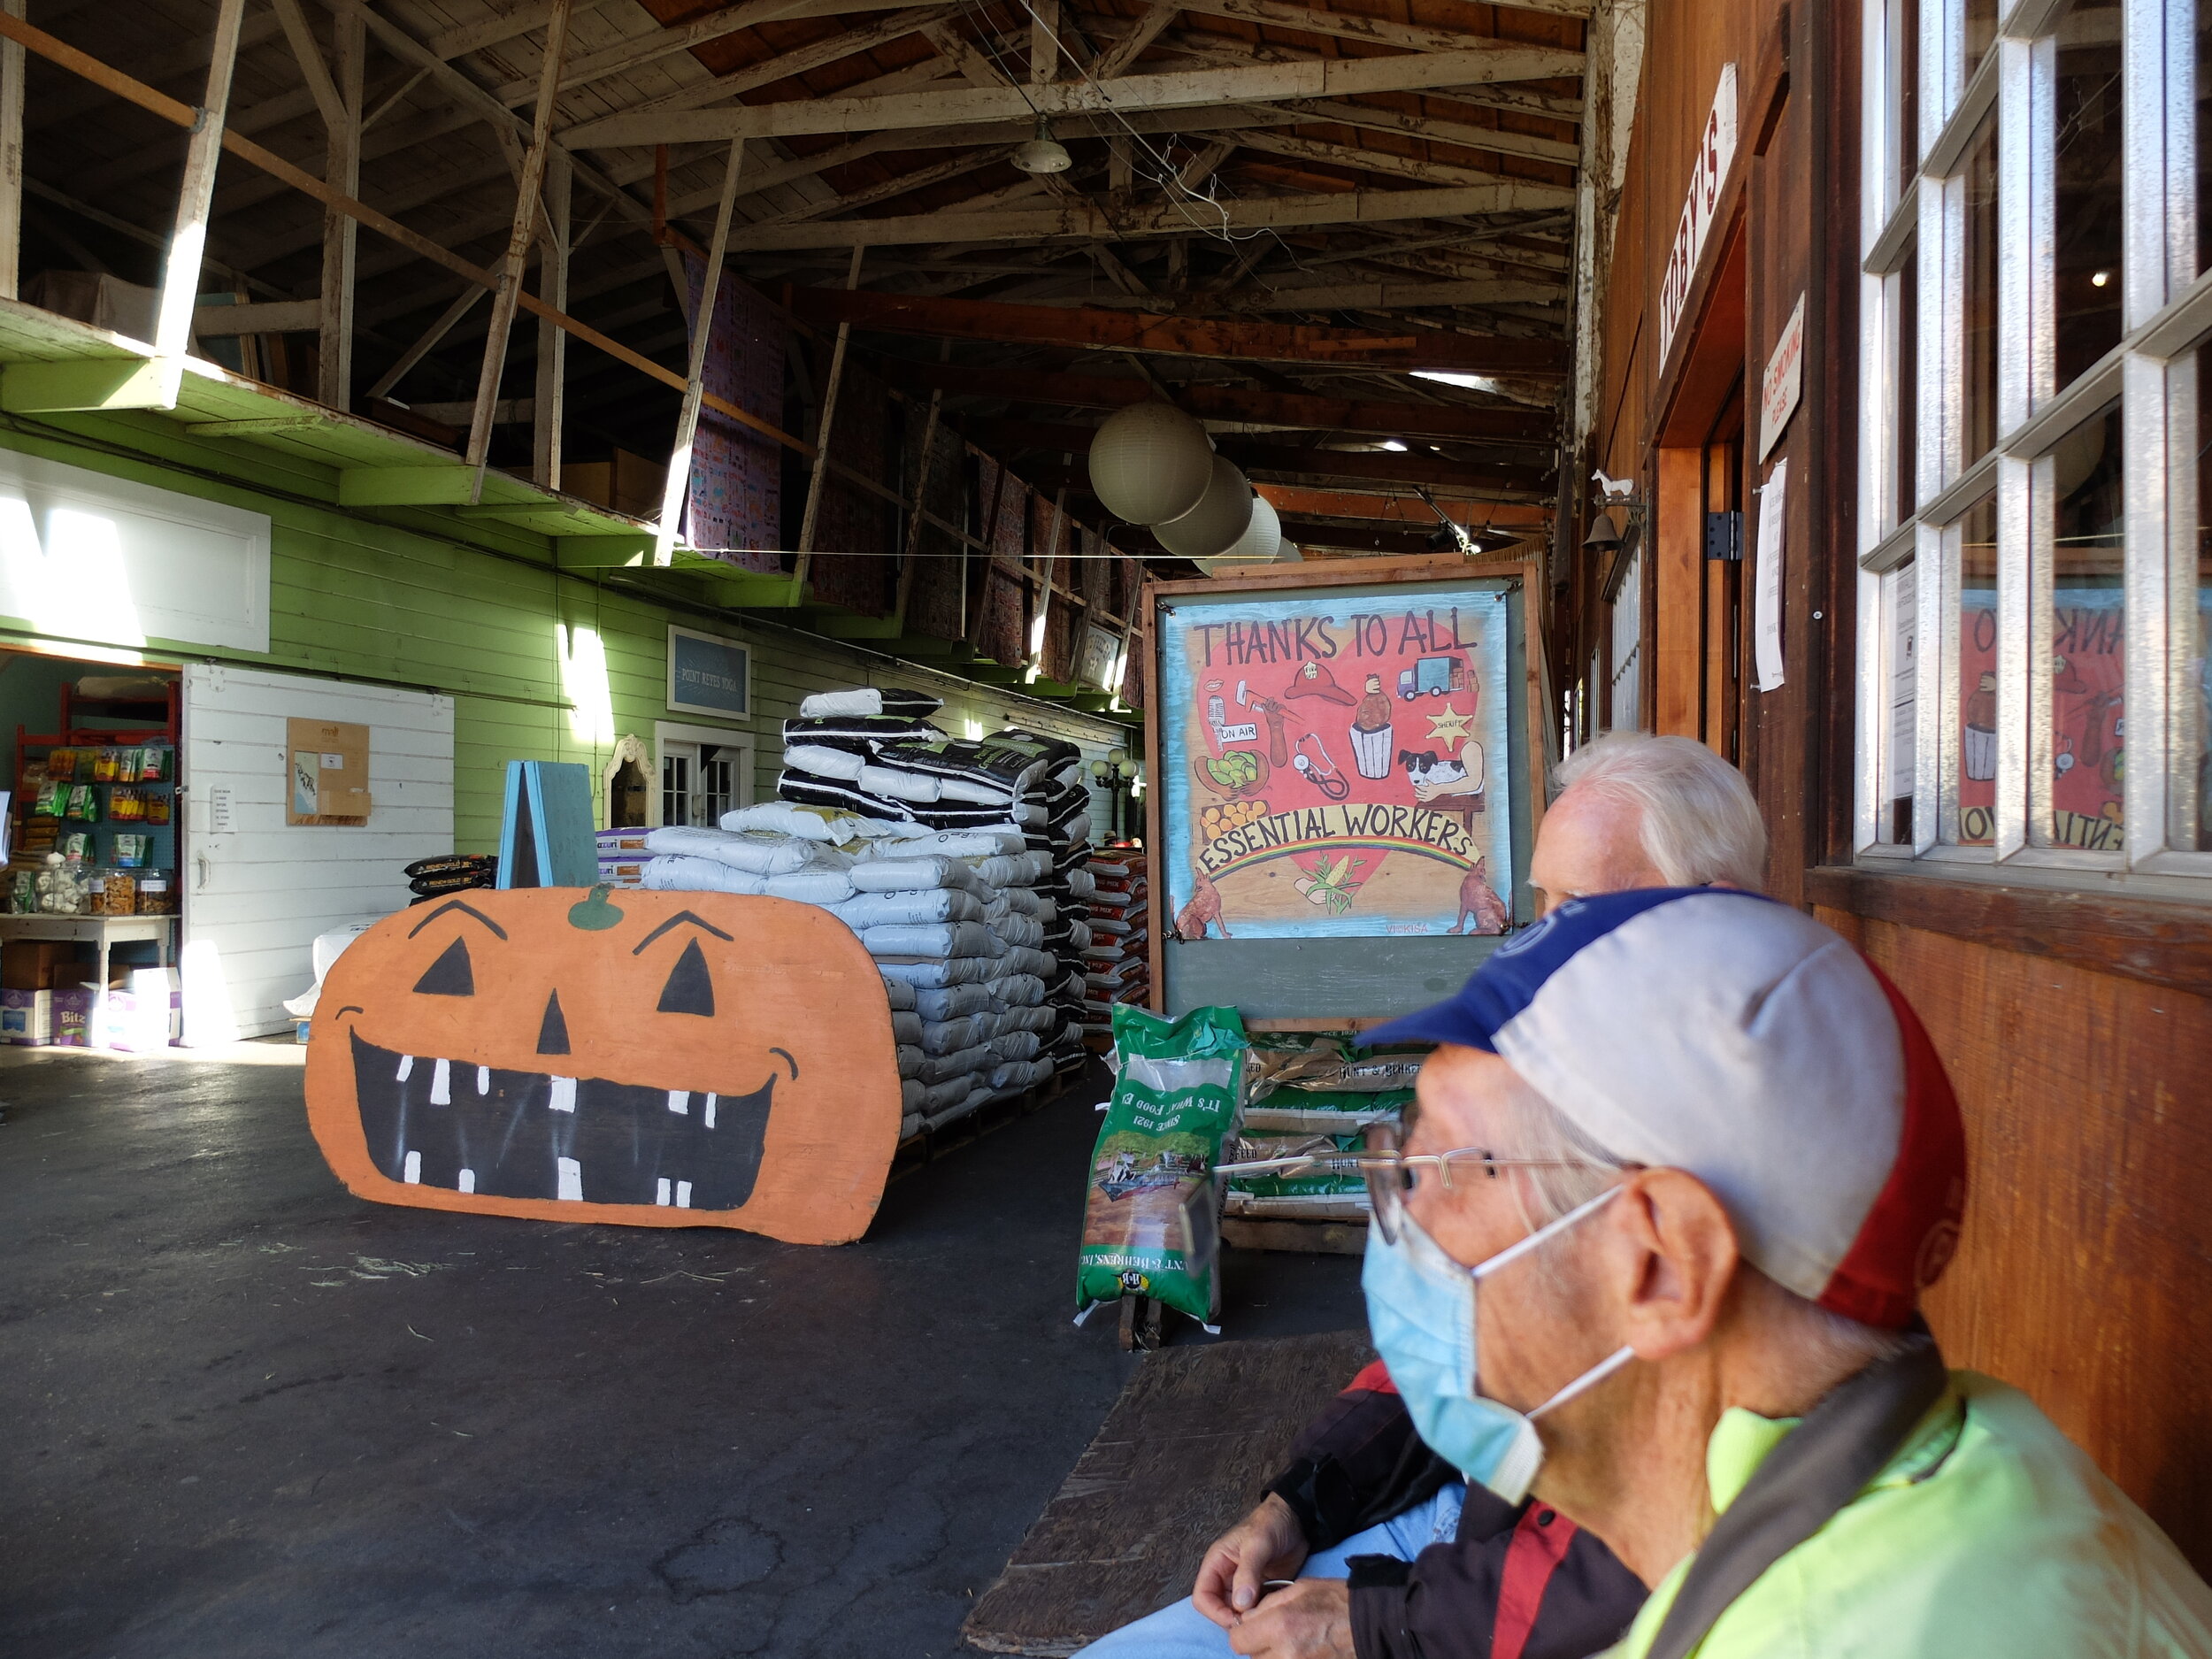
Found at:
[1260, 543]
[1151, 463]
[1286, 552]
[653, 1059]
[1217, 523]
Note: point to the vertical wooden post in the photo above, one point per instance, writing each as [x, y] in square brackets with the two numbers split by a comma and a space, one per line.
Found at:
[677, 485]
[342, 171]
[547, 401]
[11, 160]
[1044, 45]
[912, 562]
[1044, 593]
[504, 300]
[188, 243]
[822, 437]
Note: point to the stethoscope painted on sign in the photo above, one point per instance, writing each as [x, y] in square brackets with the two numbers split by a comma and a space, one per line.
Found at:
[1318, 770]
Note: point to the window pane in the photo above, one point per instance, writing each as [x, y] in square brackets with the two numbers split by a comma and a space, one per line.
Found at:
[675, 789]
[1981, 30]
[2089, 185]
[2088, 665]
[1978, 675]
[1979, 395]
[1904, 27]
[1908, 349]
[1900, 671]
[2194, 719]
[2204, 135]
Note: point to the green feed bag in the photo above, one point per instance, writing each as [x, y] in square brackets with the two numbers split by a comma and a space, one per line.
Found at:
[1147, 1217]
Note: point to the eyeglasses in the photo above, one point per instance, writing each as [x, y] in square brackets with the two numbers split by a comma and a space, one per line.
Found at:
[1390, 1173]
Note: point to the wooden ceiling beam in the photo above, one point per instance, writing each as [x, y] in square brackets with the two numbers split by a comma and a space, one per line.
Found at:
[1464, 135]
[1302, 412]
[637, 52]
[1387, 162]
[1351, 26]
[1085, 221]
[1088, 328]
[1193, 89]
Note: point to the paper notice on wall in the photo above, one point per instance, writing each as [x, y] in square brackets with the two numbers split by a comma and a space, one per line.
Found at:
[1766, 627]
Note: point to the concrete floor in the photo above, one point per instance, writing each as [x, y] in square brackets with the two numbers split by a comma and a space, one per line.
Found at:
[245, 1414]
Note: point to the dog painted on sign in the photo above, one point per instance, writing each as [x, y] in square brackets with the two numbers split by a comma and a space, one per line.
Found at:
[1441, 777]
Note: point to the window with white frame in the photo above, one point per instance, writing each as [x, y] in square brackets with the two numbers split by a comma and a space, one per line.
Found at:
[2035, 592]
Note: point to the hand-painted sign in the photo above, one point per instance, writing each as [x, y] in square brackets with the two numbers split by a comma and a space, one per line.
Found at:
[1716, 150]
[1335, 766]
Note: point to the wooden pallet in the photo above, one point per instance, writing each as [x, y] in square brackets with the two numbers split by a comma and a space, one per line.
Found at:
[926, 1146]
[1317, 1237]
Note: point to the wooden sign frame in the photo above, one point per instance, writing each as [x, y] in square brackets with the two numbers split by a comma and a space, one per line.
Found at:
[1337, 983]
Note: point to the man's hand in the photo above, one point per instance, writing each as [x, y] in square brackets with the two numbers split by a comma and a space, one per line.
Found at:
[1310, 1620]
[1265, 1544]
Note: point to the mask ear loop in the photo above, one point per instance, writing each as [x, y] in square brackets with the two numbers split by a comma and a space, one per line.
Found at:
[1605, 1367]
[1513, 1253]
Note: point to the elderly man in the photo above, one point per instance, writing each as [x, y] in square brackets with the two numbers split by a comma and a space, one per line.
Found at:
[1637, 811]
[1652, 1250]
[1402, 1561]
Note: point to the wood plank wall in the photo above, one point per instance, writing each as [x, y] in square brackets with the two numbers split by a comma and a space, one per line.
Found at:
[2087, 1250]
[351, 596]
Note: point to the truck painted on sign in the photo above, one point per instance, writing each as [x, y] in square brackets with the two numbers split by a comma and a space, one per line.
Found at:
[1433, 677]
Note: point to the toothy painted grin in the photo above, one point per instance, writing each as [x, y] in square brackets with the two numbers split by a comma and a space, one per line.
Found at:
[529, 1134]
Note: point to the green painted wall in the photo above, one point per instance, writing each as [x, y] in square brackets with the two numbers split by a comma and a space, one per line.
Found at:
[410, 597]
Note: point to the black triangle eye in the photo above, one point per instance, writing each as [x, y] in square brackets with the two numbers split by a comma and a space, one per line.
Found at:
[690, 988]
[553, 1030]
[449, 975]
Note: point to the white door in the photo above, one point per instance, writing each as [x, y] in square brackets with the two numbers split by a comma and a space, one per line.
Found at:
[704, 772]
[257, 890]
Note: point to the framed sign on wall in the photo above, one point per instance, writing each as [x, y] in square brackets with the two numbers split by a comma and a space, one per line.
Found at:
[1341, 806]
[708, 674]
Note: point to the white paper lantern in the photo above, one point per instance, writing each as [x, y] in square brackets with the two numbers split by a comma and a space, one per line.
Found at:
[1260, 538]
[1217, 523]
[1151, 463]
[1286, 552]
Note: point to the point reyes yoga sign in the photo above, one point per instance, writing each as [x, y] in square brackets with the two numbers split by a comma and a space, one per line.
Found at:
[1327, 764]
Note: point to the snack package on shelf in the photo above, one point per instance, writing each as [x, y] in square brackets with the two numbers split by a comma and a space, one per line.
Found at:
[1150, 1215]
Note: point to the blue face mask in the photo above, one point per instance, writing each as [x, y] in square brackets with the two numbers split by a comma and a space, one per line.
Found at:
[1421, 1313]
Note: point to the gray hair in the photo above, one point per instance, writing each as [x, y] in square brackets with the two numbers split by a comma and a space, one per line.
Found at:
[1699, 823]
[1540, 1130]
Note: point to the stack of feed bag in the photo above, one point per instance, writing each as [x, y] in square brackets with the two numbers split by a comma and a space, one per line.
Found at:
[910, 838]
[622, 858]
[1313, 1095]
[1054, 811]
[1117, 967]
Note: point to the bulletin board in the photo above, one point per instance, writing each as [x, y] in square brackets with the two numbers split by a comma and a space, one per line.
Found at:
[327, 773]
[1342, 784]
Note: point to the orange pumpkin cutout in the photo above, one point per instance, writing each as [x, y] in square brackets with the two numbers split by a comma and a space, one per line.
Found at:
[653, 1059]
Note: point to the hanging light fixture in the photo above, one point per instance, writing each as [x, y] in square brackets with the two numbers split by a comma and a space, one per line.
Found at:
[1043, 153]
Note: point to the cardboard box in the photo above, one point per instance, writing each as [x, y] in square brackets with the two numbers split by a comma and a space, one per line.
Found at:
[327, 780]
[72, 1017]
[27, 1018]
[39, 965]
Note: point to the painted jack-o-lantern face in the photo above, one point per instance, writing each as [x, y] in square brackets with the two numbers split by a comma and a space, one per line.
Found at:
[659, 1059]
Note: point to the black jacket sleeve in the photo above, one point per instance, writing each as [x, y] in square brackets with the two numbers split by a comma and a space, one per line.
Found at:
[1358, 1464]
[1519, 1582]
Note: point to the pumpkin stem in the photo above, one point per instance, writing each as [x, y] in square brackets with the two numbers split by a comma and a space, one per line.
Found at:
[593, 913]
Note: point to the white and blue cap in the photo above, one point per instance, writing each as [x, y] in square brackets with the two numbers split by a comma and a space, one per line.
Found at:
[1718, 1032]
